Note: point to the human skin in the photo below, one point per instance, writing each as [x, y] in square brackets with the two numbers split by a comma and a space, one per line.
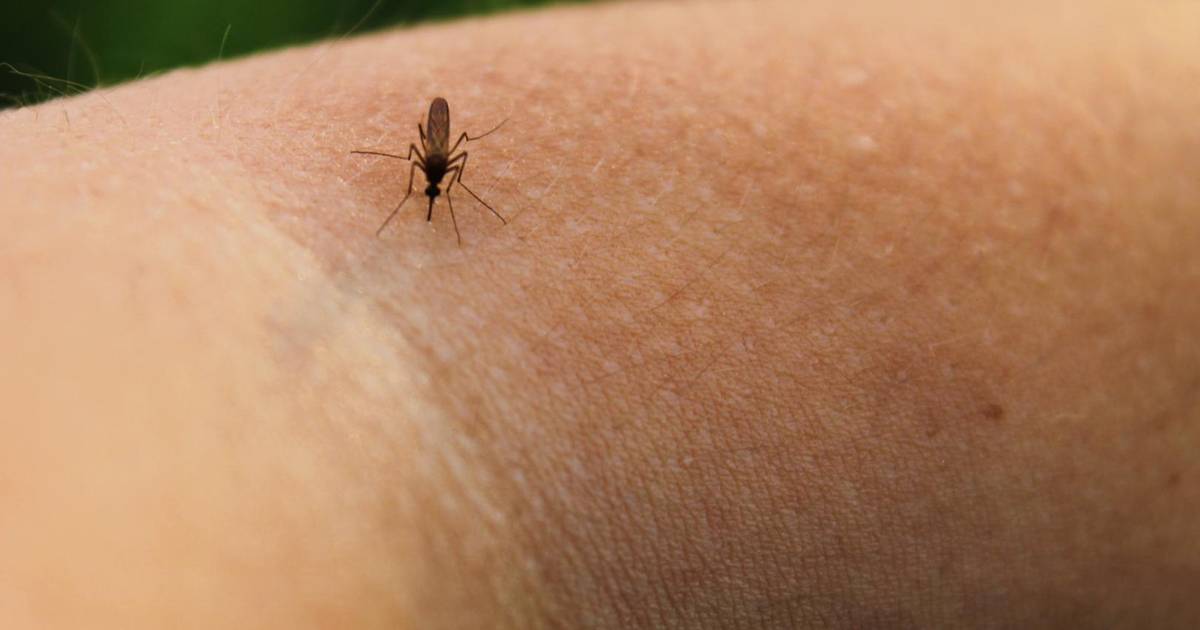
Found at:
[805, 315]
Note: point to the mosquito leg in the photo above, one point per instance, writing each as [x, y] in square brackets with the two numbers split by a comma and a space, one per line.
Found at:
[412, 148]
[398, 157]
[450, 202]
[464, 136]
[488, 132]
[412, 170]
[458, 142]
[463, 167]
[453, 172]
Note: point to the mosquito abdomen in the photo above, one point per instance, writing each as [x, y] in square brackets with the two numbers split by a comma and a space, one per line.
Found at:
[438, 126]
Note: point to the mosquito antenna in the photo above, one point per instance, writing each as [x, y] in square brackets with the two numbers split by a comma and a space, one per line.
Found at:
[490, 131]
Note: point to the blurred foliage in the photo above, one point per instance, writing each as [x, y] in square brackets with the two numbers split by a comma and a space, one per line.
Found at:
[78, 44]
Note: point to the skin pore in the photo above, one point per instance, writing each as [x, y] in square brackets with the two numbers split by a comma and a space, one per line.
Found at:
[805, 315]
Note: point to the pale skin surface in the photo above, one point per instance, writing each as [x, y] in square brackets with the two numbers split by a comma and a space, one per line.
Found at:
[805, 316]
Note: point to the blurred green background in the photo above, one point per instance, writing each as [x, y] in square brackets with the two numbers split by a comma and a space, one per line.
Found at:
[78, 44]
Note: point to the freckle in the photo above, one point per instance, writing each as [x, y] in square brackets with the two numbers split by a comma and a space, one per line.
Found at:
[992, 411]
[1173, 480]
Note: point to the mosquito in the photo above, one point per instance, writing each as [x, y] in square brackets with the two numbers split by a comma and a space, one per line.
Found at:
[438, 163]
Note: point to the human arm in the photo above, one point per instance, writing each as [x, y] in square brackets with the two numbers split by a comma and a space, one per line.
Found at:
[804, 315]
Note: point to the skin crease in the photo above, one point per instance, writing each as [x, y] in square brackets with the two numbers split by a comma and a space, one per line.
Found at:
[806, 316]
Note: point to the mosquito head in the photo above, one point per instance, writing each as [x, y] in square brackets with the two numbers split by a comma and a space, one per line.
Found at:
[432, 191]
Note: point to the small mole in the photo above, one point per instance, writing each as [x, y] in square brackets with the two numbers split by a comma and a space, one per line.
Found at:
[992, 411]
[1173, 480]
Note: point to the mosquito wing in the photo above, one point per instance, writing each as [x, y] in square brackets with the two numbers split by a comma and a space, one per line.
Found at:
[438, 127]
